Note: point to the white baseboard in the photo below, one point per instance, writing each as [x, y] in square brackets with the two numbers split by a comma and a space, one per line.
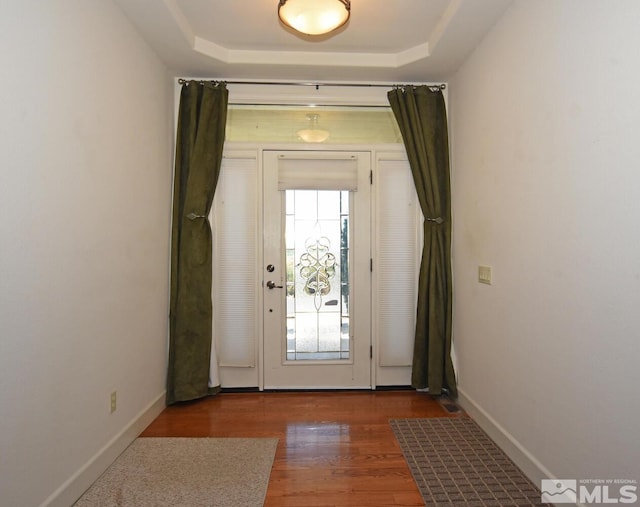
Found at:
[518, 453]
[521, 456]
[72, 489]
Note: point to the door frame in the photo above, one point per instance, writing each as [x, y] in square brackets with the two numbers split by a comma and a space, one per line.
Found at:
[251, 377]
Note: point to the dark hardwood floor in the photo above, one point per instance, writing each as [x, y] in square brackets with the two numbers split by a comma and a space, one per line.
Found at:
[334, 449]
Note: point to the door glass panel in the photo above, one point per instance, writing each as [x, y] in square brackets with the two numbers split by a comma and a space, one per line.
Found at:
[317, 259]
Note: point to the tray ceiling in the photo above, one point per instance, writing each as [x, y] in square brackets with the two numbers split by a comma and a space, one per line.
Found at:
[398, 40]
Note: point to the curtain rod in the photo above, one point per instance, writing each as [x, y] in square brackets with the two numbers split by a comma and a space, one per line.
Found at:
[317, 86]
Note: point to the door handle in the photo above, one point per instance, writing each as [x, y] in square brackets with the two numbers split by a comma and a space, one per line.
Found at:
[272, 285]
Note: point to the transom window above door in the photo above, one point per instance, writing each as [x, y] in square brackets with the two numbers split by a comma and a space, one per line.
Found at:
[311, 124]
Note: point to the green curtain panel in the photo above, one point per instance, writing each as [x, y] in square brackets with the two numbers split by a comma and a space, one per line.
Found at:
[199, 142]
[421, 115]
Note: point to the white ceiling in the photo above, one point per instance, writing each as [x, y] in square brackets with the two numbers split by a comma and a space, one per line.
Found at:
[385, 40]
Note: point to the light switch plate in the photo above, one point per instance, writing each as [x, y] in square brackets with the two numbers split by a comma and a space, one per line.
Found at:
[484, 274]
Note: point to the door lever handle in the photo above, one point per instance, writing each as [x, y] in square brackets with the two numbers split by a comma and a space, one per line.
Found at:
[272, 285]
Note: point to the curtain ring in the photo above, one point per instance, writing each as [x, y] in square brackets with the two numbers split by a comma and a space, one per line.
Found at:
[438, 220]
[193, 216]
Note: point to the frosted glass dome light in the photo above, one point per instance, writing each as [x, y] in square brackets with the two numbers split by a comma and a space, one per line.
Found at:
[314, 17]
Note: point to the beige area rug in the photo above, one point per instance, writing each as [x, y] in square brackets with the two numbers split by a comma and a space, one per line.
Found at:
[186, 472]
[456, 464]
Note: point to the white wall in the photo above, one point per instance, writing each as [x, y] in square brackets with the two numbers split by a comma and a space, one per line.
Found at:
[85, 177]
[546, 177]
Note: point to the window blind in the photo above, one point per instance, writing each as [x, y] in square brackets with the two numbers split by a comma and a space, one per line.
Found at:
[331, 172]
[397, 262]
[235, 257]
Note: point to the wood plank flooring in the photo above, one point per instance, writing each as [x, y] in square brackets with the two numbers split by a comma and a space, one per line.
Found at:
[334, 449]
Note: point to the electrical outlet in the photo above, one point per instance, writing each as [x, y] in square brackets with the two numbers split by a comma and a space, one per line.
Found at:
[113, 401]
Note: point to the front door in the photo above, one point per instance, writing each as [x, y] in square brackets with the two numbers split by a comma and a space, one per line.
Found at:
[316, 273]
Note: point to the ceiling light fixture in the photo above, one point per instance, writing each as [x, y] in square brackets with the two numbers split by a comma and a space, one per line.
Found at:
[313, 134]
[314, 17]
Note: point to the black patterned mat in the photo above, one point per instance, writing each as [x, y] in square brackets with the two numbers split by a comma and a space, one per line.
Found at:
[455, 463]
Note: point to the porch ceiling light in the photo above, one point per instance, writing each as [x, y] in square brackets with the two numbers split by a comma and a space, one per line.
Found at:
[313, 134]
[314, 17]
